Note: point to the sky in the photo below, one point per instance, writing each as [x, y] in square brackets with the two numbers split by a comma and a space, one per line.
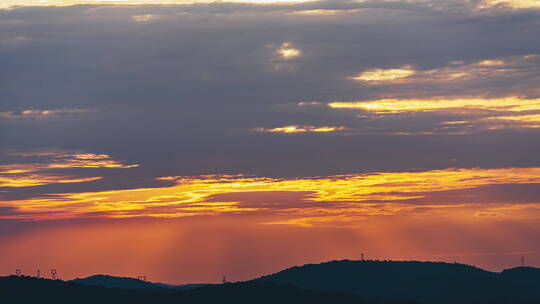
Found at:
[187, 140]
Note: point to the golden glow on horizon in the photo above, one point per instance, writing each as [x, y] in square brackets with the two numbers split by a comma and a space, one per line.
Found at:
[339, 198]
[379, 75]
[300, 129]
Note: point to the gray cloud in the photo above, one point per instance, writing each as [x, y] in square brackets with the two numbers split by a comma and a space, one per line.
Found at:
[181, 92]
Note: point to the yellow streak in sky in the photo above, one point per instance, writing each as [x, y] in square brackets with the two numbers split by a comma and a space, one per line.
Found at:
[60, 160]
[515, 4]
[523, 121]
[478, 113]
[377, 75]
[36, 174]
[422, 105]
[492, 62]
[522, 118]
[342, 196]
[300, 129]
[457, 71]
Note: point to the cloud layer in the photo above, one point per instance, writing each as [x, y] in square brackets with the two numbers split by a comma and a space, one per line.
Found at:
[326, 116]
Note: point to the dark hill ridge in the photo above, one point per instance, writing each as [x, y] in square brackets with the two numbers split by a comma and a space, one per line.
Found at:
[33, 290]
[115, 282]
[132, 283]
[360, 282]
[523, 275]
[422, 282]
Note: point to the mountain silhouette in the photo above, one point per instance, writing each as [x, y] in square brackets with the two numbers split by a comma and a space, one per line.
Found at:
[422, 282]
[116, 282]
[34, 290]
[132, 283]
[527, 276]
[359, 282]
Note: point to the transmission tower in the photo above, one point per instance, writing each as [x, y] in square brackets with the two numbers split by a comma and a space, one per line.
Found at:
[362, 257]
[224, 279]
[53, 274]
[38, 274]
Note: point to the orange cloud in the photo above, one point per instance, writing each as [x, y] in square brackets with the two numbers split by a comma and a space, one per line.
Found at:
[300, 129]
[454, 72]
[336, 199]
[513, 104]
[478, 113]
[42, 173]
[383, 75]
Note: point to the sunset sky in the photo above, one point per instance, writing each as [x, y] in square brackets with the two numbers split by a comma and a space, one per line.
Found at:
[187, 140]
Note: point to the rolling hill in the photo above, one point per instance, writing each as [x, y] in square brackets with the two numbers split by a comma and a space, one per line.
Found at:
[422, 282]
[33, 290]
[360, 282]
